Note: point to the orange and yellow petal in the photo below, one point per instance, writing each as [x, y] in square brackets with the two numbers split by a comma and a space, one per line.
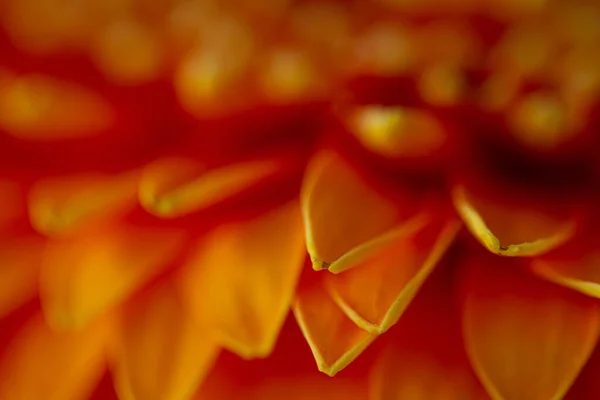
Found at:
[376, 292]
[160, 353]
[173, 187]
[288, 372]
[423, 357]
[87, 275]
[514, 227]
[575, 266]
[339, 231]
[526, 338]
[63, 205]
[241, 279]
[334, 339]
[78, 358]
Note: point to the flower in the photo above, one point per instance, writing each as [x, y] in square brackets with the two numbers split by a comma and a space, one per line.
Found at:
[200, 199]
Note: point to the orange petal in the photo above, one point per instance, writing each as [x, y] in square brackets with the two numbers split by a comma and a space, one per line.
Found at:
[86, 275]
[526, 338]
[288, 373]
[289, 75]
[128, 52]
[397, 131]
[334, 339]
[160, 353]
[339, 233]
[173, 187]
[19, 271]
[579, 271]
[60, 206]
[41, 364]
[243, 278]
[37, 107]
[375, 294]
[424, 358]
[511, 229]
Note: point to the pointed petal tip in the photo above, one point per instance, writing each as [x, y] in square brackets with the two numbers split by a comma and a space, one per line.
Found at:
[61, 206]
[246, 307]
[360, 321]
[334, 340]
[375, 294]
[341, 363]
[173, 187]
[333, 199]
[319, 265]
[543, 232]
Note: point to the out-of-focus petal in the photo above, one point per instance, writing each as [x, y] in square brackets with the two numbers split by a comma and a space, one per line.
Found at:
[340, 233]
[243, 277]
[59, 206]
[41, 108]
[424, 358]
[128, 51]
[85, 275]
[397, 131]
[41, 364]
[334, 339]
[213, 76]
[160, 353]
[19, 271]
[526, 338]
[376, 293]
[174, 187]
[579, 270]
[289, 75]
[512, 229]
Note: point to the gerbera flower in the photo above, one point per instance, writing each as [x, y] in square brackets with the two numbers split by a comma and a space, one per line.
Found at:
[200, 199]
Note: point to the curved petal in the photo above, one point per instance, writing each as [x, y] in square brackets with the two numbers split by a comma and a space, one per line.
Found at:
[334, 339]
[19, 271]
[288, 373]
[339, 234]
[512, 230]
[86, 275]
[581, 271]
[376, 293]
[41, 108]
[424, 358]
[78, 360]
[526, 338]
[173, 187]
[397, 131]
[59, 206]
[160, 354]
[243, 277]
